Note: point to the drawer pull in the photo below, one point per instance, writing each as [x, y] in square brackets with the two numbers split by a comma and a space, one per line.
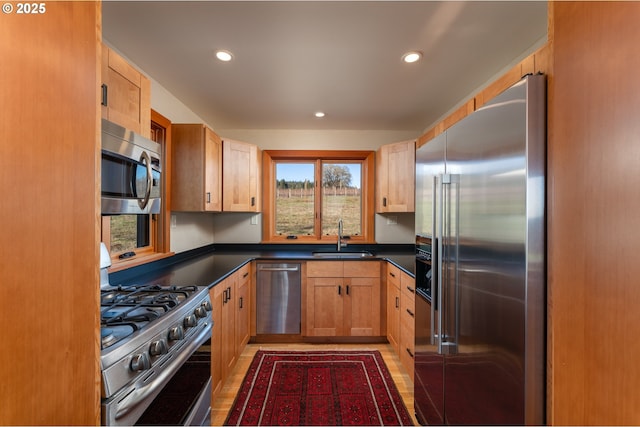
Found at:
[410, 353]
[410, 313]
[413, 291]
[397, 302]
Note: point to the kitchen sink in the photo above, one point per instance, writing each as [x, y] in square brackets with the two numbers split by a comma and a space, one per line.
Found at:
[342, 254]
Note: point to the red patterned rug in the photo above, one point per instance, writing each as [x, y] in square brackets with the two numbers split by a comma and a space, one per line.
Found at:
[318, 388]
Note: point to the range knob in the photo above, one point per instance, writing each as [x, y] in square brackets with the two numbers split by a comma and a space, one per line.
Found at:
[200, 312]
[140, 362]
[207, 305]
[190, 321]
[158, 347]
[176, 333]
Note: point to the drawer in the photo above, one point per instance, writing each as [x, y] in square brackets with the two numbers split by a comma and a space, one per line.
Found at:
[393, 275]
[362, 269]
[408, 285]
[325, 268]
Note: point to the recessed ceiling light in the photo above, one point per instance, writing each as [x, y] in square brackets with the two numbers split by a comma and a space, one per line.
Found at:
[319, 114]
[224, 55]
[412, 56]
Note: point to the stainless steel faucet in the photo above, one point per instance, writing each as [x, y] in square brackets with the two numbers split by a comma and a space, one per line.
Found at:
[341, 244]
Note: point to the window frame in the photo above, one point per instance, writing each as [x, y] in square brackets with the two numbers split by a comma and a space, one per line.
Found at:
[269, 160]
[159, 236]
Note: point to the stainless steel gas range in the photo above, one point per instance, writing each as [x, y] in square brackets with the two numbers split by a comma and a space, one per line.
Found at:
[147, 334]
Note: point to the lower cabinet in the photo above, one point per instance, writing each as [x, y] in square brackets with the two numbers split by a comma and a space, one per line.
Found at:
[343, 298]
[407, 322]
[401, 315]
[230, 300]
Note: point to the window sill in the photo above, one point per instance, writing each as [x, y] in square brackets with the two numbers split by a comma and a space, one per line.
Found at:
[138, 260]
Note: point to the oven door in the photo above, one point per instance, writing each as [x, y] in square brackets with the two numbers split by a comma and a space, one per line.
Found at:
[127, 405]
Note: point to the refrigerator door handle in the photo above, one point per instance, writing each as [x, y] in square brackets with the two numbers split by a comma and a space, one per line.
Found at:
[435, 265]
[439, 228]
[447, 200]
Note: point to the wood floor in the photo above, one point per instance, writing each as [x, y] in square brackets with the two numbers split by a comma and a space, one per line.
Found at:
[223, 403]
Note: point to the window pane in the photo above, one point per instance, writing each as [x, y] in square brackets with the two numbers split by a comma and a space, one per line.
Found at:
[341, 198]
[294, 198]
[129, 232]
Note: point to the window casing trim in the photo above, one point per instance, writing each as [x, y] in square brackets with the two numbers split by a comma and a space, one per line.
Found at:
[269, 159]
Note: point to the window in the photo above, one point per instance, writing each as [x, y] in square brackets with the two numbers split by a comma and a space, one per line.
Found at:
[306, 193]
[145, 235]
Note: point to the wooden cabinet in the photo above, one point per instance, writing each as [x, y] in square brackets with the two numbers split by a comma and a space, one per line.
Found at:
[216, 295]
[393, 306]
[241, 172]
[407, 322]
[126, 93]
[243, 308]
[343, 298]
[231, 304]
[401, 315]
[196, 169]
[395, 177]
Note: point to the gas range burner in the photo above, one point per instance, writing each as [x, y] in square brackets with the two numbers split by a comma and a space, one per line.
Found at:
[127, 309]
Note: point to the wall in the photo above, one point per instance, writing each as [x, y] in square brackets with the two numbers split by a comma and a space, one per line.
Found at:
[594, 214]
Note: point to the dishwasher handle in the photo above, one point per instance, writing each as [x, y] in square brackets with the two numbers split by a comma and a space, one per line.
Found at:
[296, 268]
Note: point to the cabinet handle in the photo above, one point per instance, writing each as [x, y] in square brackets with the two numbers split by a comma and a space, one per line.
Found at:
[413, 291]
[224, 297]
[229, 289]
[208, 197]
[347, 289]
[339, 290]
[384, 202]
[410, 353]
[240, 302]
[104, 95]
[397, 302]
[253, 201]
[410, 313]
[391, 274]
[245, 275]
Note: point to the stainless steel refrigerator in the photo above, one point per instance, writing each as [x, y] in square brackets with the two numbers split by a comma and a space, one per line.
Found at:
[480, 331]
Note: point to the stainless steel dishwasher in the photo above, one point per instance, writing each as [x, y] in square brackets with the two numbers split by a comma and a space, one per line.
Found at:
[278, 298]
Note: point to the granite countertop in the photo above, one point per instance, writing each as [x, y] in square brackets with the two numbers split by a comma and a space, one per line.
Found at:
[208, 266]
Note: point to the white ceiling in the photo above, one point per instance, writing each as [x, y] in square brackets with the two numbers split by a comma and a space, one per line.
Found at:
[292, 58]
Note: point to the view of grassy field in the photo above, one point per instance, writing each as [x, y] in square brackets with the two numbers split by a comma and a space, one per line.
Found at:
[295, 215]
[124, 233]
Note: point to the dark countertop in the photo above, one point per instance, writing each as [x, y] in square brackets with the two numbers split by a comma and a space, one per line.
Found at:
[208, 266]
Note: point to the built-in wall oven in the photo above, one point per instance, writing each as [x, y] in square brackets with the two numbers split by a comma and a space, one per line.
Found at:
[424, 272]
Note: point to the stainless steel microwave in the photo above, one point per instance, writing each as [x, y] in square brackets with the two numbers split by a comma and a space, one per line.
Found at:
[131, 172]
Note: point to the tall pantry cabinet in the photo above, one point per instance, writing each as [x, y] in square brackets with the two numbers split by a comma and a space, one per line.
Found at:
[49, 293]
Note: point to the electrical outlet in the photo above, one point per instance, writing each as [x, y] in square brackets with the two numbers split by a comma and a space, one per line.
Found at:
[254, 220]
[173, 221]
[392, 220]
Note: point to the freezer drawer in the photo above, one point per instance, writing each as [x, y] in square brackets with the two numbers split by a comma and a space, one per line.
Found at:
[278, 299]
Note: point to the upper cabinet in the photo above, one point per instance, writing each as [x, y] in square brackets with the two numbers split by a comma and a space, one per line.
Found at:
[395, 177]
[241, 171]
[196, 169]
[126, 94]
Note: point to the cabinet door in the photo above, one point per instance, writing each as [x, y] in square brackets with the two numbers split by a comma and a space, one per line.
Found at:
[196, 172]
[362, 306]
[216, 341]
[324, 306]
[228, 326]
[393, 315]
[396, 177]
[126, 94]
[240, 170]
[212, 171]
[243, 312]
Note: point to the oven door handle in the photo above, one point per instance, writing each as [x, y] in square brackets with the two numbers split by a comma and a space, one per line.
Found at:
[131, 407]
